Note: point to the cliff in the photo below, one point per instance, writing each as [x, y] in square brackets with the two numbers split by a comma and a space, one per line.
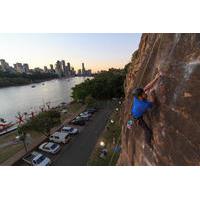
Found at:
[176, 120]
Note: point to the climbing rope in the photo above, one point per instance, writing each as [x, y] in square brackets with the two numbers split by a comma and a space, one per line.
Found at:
[146, 65]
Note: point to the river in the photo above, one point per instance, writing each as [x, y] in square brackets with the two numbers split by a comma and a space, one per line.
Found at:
[26, 99]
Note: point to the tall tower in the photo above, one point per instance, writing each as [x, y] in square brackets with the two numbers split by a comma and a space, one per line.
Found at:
[4, 65]
[68, 66]
[58, 68]
[25, 68]
[68, 69]
[83, 69]
[51, 67]
[63, 65]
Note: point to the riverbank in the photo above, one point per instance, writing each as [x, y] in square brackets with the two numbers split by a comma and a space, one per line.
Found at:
[23, 83]
[17, 79]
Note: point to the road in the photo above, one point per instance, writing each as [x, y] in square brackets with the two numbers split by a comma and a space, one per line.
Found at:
[78, 151]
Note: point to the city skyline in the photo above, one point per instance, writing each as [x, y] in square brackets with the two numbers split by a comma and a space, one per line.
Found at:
[18, 66]
[97, 51]
[60, 68]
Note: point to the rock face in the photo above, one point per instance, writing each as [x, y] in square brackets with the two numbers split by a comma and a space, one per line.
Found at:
[176, 121]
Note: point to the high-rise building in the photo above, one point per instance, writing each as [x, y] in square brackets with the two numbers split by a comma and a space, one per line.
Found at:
[69, 69]
[45, 69]
[19, 68]
[51, 67]
[4, 65]
[79, 72]
[65, 68]
[62, 62]
[83, 69]
[58, 68]
[25, 68]
[68, 66]
[73, 72]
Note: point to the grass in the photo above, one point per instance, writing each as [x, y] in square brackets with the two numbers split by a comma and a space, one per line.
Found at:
[71, 109]
[74, 107]
[112, 138]
[7, 152]
[7, 137]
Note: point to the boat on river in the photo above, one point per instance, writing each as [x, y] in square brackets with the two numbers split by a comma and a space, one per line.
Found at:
[6, 127]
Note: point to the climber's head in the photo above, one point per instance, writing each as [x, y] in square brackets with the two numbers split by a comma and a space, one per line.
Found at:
[139, 93]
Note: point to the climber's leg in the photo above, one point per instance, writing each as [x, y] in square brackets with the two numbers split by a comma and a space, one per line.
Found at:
[147, 130]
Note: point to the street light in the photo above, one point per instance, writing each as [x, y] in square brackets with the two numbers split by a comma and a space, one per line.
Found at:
[102, 143]
[21, 137]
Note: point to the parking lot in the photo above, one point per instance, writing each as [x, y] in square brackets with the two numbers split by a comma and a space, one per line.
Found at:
[78, 150]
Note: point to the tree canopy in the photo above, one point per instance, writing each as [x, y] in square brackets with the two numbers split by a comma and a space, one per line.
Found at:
[13, 79]
[43, 122]
[105, 85]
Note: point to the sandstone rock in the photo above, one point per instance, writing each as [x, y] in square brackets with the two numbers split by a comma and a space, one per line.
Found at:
[176, 122]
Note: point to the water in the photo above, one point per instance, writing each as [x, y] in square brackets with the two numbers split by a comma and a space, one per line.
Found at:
[26, 99]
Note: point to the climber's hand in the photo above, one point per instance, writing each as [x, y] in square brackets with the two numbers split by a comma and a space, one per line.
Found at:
[158, 75]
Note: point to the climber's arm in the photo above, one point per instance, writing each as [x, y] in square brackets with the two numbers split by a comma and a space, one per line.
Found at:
[150, 85]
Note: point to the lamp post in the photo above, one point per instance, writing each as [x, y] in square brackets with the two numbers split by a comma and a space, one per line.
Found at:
[111, 121]
[102, 143]
[22, 137]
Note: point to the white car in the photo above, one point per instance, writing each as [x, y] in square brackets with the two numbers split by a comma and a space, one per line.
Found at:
[60, 137]
[86, 116]
[37, 159]
[50, 147]
[70, 130]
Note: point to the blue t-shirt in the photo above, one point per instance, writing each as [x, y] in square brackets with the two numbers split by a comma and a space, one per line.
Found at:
[140, 107]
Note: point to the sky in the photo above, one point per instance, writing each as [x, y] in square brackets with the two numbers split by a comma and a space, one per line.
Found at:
[99, 51]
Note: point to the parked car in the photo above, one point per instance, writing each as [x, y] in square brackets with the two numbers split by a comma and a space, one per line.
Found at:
[78, 121]
[91, 110]
[60, 137]
[86, 116]
[50, 147]
[37, 159]
[70, 130]
[86, 113]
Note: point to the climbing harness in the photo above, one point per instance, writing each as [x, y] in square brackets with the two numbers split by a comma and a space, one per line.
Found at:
[129, 124]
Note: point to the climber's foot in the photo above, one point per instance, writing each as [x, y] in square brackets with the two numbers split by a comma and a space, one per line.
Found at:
[150, 145]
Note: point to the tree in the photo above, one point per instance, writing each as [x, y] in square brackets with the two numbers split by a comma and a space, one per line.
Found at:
[22, 136]
[105, 85]
[43, 122]
[90, 101]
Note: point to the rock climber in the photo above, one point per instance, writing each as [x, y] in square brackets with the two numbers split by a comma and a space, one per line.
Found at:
[141, 105]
